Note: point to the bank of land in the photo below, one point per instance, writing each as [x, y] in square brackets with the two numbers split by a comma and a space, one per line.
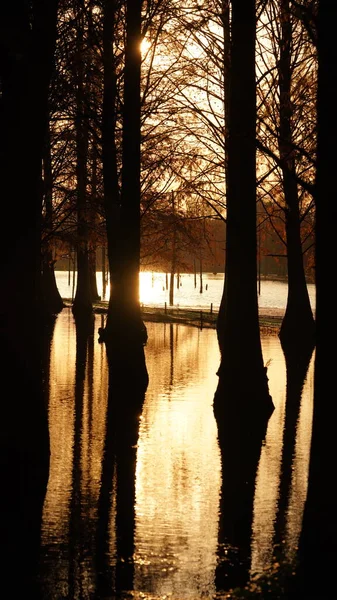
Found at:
[270, 319]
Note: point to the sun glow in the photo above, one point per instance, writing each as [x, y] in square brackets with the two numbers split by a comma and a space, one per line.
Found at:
[144, 46]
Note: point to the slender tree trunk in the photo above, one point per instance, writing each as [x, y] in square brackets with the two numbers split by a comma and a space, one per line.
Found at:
[93, 225]
[298, 324]
[103, 273]
[109, 154]
[125, 332]
[171, 290]
[83, 300]
[238, 326]
[174, 254]
[50, 295]
[92, 275]
[225, 15]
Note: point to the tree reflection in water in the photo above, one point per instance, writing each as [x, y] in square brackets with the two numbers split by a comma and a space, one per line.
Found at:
[133, 501]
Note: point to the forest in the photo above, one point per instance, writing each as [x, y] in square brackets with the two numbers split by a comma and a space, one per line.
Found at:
[164, 134]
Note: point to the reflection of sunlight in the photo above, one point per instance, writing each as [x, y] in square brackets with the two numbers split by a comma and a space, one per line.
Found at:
[178, 471]
[68, 410]
[299, 483]
[267, 478]
[268, 474]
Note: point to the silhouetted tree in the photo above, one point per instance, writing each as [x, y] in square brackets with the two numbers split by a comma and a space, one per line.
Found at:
[238, 322]
[83, 300]
[27, 39]
[286, 113]
[50, 294]
[317, 548]
[125, 332]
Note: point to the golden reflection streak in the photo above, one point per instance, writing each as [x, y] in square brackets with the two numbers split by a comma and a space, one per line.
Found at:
[300, 473]
[268, 474]
[178, 472]
[55, 530]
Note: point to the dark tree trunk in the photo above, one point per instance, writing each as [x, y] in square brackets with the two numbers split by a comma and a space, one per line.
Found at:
[125, 331]
[318, 542]
[298, 324]
[83, 300]
[173, 256]
[50, 295]
[109, 152]
[93, 225]
[92, 275]
[27, 42]
[171, 289]
[238, 323]
[103, 273]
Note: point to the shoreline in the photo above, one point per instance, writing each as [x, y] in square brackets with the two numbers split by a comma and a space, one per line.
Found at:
[270, 319]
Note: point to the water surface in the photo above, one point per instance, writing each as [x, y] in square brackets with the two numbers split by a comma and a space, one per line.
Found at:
[166, 513]
[153, 290]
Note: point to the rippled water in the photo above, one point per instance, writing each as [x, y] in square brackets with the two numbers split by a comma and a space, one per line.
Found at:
[144, 520]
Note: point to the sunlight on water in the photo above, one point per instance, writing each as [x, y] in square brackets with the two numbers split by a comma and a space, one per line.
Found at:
[177, 488]
[153, 290]
[269, 470]
[267, 480]
[299, 482]
[178, 469]
[76, 423]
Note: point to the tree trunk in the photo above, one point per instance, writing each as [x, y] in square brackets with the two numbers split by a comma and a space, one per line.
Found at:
[109, 155]
[174, 255]
[93, 216]
[83, 300]
[103, 273]
[92, 275]
[50, 295]
[171, 290]
[238, 324]
[125, 333]
[26, 55]
[298, 324]
[318, 541]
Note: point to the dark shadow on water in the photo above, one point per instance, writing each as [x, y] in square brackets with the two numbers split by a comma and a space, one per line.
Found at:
[24, 465]
[297, 364]
[317, 552]
[125, 402]
[240, 439]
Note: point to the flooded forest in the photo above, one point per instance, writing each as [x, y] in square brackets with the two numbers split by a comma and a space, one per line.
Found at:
[156, 459]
